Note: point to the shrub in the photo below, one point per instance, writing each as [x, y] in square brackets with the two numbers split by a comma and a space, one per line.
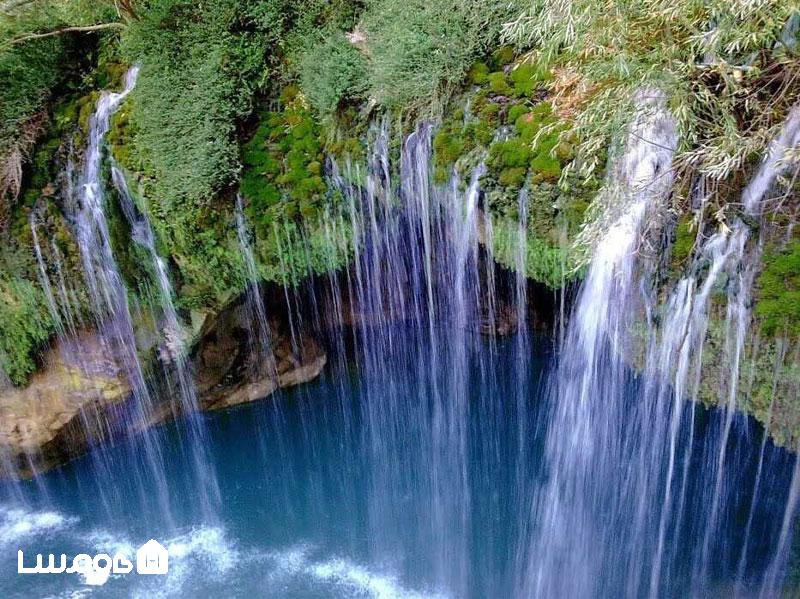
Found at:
[421, 48]
[331, 72]
[607, 50]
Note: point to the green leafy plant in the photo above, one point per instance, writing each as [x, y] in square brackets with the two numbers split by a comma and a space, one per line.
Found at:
[25, 325]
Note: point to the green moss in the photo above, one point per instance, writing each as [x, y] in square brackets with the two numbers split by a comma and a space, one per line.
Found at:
[528, 124]
[351, 147]
[529, 149]
[110, 74]
[527, 78]
[684, 241]
[498, 83]
[778, 291]
[86, 106]
[133, 261]
[448, 146]
[511, 153]
[770, 394]
[456, 139]
[544, 261]
[502, 56]
[512, 177]
[283, 163]
[489, 112]
[288, 201]
[478, 73]
[481, 131]
[516, 111]
[121, 140]
[545, 167]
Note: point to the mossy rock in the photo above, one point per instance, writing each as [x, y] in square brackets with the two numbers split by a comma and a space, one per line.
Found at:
[283, 162]
[513, 177]
[526, 78]
[86, 107]
[778, 291]
[498, 84]
[478, 73]
[502, 56]
[684, 241]
[545, 168]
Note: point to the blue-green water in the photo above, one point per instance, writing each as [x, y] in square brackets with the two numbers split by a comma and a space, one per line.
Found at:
[302, 513]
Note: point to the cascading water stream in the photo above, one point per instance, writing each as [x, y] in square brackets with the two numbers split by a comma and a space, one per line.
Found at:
[741, 567]
[575, 549]
[417, 283]
[726, 253]
[255, 303]
[109, 296]
[174, 354]
[107, 291]
[44, 278]
[605, 454]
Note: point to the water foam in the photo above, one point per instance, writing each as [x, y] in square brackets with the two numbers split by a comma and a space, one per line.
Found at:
[18, 524]
[203, 553]
[360, 580]
[351, 578]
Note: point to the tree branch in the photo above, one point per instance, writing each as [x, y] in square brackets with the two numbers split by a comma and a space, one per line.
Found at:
[86, 29]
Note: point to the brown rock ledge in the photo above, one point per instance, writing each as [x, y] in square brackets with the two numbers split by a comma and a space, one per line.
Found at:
[79, 395]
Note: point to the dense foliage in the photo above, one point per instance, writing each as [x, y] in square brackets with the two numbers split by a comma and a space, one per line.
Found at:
[200, 66]
[716, 60]
[402, 55]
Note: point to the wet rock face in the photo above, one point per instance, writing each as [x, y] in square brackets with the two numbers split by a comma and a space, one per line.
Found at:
[232, 367]
[77, 399]
[55, 416]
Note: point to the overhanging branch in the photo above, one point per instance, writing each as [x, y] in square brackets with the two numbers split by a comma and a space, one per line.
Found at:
[85, 29]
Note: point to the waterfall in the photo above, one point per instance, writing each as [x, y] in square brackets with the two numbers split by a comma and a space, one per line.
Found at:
[634, 487]
[741, 567]
[449, 447]
[415, 289]
[608, 508]
[724, 253]
[577, 548]
[44, 278]
[738, 294]
[260, 330]
[175, 336]
[107, 290]
[109, 300]
[174, 352]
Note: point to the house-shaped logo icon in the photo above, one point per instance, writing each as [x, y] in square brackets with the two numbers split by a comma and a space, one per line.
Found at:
[152, 558]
